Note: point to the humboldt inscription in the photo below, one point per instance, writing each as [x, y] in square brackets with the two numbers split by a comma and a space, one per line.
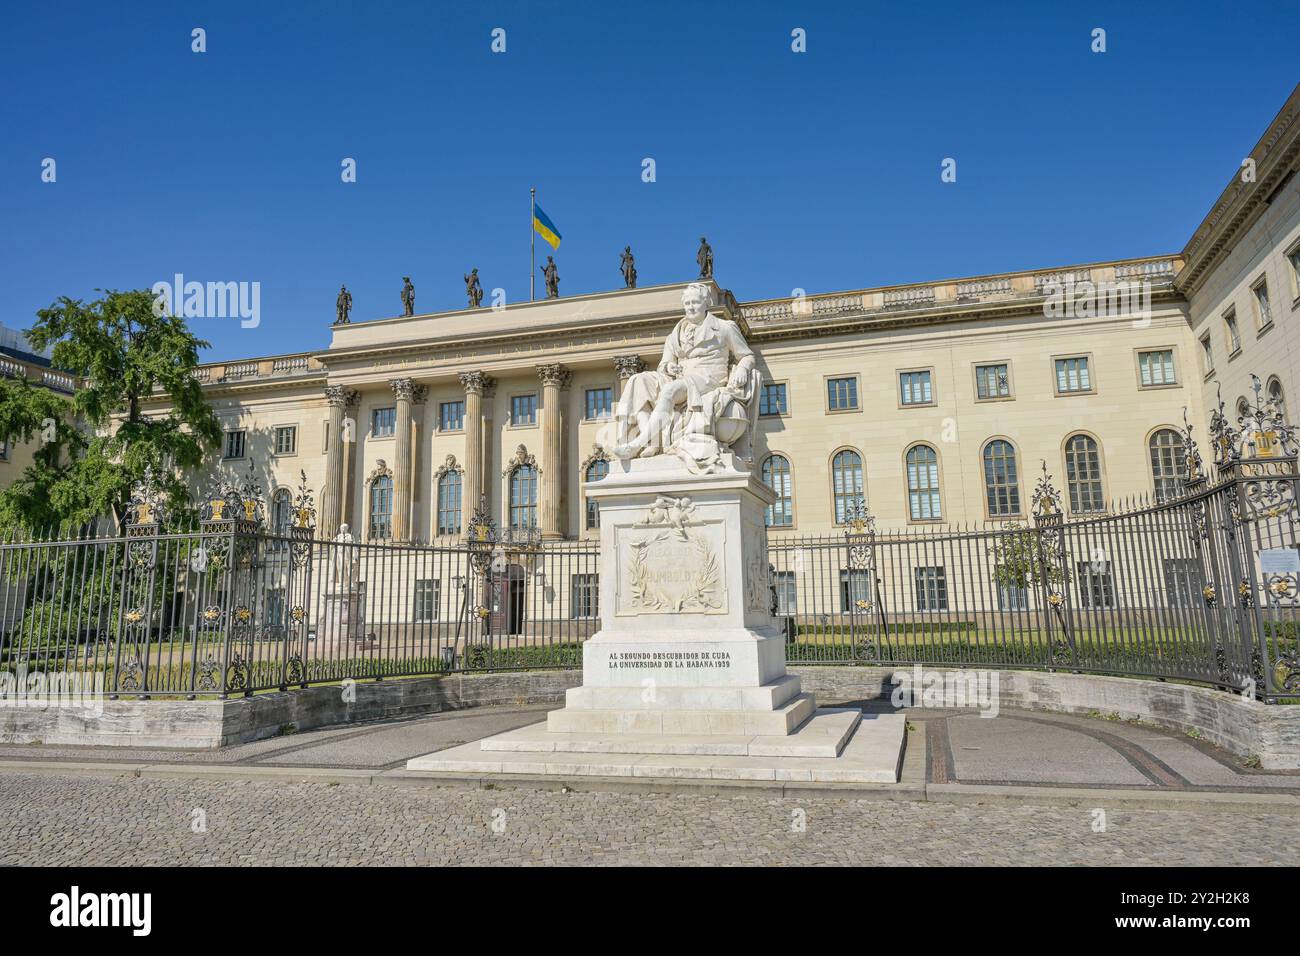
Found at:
[672, 566]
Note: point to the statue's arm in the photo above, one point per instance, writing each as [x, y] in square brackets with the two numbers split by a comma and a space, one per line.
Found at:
[743, 356]
[670, 352]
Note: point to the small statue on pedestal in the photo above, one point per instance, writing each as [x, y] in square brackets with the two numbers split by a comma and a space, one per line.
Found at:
[473, 289]
[343, 306]
[704, 258]
[551, 274]
[408, 296]
[627, 265]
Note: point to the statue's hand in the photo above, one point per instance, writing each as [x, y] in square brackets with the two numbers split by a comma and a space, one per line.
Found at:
[673, 370]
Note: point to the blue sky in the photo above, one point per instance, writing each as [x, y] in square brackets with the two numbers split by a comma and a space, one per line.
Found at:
[817, 170]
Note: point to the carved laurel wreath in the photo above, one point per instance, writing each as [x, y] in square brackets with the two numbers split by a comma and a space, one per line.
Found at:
[702, 585]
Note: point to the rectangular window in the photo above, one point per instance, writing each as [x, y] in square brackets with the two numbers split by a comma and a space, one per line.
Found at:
[523, 410]
[773, 400]
[992, 381]
[1230, 328]
[425, 600]
[855, 591]
[1096, 584]
[1263, 313]
[787, 592]
[1156, 368]
[451, 416]
[1013, 597]
[841, 394]
[1207, 352]
[235, 444]
[584, 596]
[1072, 375]
[914, 388]
[600, 403]
[383, 423]
[275, 607]
[1182, 582]
[931, 589]
[286, 440]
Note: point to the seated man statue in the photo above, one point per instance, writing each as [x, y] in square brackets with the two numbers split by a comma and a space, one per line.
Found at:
[701, 401]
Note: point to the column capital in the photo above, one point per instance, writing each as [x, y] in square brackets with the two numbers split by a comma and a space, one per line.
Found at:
[628, 365]
[407, 389]
[341, 396]
[477, 382]
[555, 374]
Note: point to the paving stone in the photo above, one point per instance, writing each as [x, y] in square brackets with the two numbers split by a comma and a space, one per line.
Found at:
[71, 819]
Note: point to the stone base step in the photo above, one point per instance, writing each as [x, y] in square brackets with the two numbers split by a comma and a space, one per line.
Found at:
[768, 697]
[736, 723]
[824, 734]
[873, 754]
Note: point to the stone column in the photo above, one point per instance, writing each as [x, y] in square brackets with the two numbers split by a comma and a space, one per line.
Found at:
[554, 378]
[626, 366]
[335, 458]
[476, 383]
[405, 391]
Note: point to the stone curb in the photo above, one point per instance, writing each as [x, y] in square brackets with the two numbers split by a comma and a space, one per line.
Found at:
[907, 790]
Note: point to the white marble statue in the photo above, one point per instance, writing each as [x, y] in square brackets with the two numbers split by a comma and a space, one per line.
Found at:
[701, 401]
[345, 565]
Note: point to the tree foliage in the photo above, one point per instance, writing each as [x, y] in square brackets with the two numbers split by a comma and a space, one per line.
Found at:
[126, 355]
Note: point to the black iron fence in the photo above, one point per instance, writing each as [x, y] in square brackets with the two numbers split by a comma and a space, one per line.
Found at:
[1201, 587]
[230, 606]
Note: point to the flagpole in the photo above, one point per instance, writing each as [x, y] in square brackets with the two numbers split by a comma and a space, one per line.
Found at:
[532, 270]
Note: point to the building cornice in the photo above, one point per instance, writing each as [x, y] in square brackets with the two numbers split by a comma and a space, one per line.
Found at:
[593, 329]
[1275, 158]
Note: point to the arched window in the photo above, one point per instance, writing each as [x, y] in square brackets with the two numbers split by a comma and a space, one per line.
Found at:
[381, 507]
[449, 498]
[1275, 393]
[1083, 474]
[846, 483]
[281, 518]
[1168, 463]
[776, 475]
[523, 498]
[1001, 479]
[597, 470]
[923, 483]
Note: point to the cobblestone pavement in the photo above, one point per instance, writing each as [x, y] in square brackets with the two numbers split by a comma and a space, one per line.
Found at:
[78, 819]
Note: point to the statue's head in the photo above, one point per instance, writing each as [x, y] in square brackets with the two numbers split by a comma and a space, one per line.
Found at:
[696, 299]
[343, 528]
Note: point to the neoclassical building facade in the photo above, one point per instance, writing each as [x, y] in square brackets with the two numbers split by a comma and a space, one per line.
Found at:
[935, 403]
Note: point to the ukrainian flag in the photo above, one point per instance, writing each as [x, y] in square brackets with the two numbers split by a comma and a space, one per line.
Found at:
[543, 226]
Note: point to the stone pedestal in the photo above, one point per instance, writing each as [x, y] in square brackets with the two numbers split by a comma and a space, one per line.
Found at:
[342, 621]
[686, 677]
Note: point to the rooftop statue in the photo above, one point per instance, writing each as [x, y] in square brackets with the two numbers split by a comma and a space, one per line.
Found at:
[408, 296]
[627, 265]
[473, 289]
[701, 401]
[343, 306]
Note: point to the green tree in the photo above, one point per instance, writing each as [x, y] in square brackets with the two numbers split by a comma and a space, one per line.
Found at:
[34, 415]
[125, 354]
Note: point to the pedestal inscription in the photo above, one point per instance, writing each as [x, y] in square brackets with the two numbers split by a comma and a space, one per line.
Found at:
[670, 562]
